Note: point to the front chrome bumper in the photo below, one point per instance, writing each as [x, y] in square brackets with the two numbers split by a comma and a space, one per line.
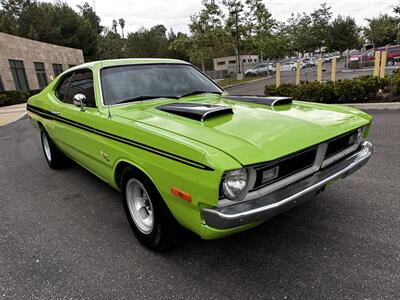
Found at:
[270, 205]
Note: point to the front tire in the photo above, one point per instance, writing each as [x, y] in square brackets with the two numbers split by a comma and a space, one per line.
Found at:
[149, 217]
[54, 157]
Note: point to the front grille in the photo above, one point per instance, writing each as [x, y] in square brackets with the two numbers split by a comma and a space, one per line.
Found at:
[287, 166]
[341, 143]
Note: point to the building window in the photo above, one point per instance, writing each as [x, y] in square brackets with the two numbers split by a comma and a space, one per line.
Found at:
[231, 62]
[57, 69]
[1, 85]
[221, 63]
[41, 74]
[18, 74]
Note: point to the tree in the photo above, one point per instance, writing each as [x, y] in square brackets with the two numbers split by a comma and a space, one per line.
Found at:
[178, 52]
[122, 25]
[260, 26]
[320, 19]
[151, 42]
[186, 44]
[396, 9]
[114, 26]
[344, 34]
[207, 34]
[111, 45]
[88, 13]
[53, 23]
[236, 28]
[300, 34]
[382, 30]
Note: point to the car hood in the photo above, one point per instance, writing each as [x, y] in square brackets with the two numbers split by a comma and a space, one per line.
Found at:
[254, 132]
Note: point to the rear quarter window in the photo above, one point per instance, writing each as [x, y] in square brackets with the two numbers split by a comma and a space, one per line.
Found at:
[62, 87]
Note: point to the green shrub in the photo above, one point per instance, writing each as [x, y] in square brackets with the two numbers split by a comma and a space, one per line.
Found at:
[350, 91]
[3, 100]
[394, 86]
[360, 89]
[354, 64]
[15, 97]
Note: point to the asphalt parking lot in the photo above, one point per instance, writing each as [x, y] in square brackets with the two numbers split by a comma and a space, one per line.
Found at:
[63, 234]
[309, 74]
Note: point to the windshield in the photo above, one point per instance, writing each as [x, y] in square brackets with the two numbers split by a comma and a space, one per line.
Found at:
[140, 82]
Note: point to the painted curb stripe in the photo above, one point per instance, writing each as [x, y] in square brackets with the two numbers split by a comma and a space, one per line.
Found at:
[48, 115]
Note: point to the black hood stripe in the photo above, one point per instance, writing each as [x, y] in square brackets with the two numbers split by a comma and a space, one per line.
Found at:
[270, 101]
[195, 111]
[48, 115]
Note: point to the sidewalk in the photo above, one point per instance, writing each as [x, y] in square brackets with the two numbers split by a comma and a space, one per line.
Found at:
[12, 113]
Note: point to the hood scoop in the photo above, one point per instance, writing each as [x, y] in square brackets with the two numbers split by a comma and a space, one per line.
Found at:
[195, 111]
[270, 101]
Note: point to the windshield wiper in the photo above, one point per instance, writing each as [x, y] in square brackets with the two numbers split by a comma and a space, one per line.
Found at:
[145, 97]
[199, 92]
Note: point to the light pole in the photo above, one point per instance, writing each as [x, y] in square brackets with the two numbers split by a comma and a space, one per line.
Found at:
[236, 13]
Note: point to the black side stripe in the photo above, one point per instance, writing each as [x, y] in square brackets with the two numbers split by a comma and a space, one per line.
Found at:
[48, 115]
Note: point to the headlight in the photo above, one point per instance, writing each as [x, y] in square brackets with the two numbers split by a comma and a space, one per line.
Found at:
[234, 184]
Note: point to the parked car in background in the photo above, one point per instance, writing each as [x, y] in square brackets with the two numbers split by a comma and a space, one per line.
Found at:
[291, 66]
[261, 69]
[310, 62]
[392, 55]
[183, 152]
[327, 58]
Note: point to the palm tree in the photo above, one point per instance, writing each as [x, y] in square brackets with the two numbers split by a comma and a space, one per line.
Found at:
[122, 24]
[114, 26]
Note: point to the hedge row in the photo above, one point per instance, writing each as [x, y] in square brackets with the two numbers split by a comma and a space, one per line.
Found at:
[360, 89]
[15, 97]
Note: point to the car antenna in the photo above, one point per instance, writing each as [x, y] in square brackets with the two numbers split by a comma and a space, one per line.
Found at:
[100, 56]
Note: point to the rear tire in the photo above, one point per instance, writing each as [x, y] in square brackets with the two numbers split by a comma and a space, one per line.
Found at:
[54, 157]
[149, 217]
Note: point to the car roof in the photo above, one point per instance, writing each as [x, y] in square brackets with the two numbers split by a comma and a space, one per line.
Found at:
[127, 61]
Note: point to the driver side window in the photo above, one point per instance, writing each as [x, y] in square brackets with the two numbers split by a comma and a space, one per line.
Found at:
[81, 83]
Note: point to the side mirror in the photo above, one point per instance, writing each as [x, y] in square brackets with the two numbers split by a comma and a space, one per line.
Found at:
[80, 101]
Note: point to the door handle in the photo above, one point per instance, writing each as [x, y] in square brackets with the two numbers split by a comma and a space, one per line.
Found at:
[55, 113]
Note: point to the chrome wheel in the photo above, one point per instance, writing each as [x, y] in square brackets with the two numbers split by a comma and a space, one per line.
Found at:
[46, 146]
[140, 206]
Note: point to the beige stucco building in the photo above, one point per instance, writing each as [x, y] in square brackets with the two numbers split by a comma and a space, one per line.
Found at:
[229, 63]
[29, 65]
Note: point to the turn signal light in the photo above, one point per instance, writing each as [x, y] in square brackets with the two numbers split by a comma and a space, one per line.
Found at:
[181, 194]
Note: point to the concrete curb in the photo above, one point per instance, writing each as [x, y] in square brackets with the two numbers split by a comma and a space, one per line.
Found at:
[366, 106]
[250, 81]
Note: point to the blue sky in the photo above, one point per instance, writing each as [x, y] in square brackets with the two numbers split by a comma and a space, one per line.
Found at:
[176, 13]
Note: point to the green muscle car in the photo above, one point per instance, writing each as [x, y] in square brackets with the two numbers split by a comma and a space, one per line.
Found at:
[183, 152]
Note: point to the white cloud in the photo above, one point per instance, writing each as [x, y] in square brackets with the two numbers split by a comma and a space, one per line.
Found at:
[176, 13]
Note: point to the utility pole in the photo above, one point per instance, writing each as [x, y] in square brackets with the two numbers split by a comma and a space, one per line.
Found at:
[236, 13]
[237, 37]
